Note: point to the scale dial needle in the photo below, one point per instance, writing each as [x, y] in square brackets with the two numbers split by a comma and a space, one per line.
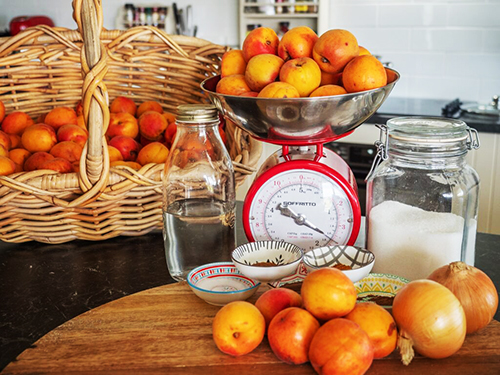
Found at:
[299, 219]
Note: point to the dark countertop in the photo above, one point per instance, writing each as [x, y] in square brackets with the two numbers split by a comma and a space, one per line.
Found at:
[43, 286]
[396, 106]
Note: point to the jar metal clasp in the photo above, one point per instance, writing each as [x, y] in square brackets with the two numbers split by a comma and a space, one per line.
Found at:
[473, 139]
[382, 144]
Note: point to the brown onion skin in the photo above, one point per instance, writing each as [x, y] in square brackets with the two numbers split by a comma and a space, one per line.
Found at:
[430, 319]
[473, 288]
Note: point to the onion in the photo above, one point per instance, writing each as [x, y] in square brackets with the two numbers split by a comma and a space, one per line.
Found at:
[473, 288]
[430, 319]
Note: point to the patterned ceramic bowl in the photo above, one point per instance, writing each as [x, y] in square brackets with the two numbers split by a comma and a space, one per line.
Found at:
[267, 261]
[354, 262]
[221, 283]
[380, 288]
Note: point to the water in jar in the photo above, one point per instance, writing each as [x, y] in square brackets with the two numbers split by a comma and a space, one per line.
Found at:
[196, 232]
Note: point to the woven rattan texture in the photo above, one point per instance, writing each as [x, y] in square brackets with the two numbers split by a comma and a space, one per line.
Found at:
[43, 68]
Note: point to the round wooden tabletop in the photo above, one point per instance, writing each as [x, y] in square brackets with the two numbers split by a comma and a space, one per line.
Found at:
[169, 330]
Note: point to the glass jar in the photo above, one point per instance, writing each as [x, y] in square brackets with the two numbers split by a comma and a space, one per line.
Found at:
[198, 193]
[422, 199]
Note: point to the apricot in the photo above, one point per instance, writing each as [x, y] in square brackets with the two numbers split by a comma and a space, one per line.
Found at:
[4, 151]
[297, 42]
[39, 137]
[2, 111]
[78, 108]
[15, 140]
[123, 123]
[128, 147]
[340, 346]
[364, 73]
[363, 51]
[327, 293]
[58, 164]
[328, 90]
[7, 166]
[5, 140]
[16, 122]
[279, 90]
[232, 85]
[68, 150]
[262, 70]
[72, 133]
[334, 49]
[60, 116]
[250, 94]
[114, 154]
[379, 324]
[34, 161]
[80, 121]
[170, 132]
[290, 334]
[238, 328]
[232, 63]
[152, 125]
[122, 104]
[170, 117]
[40, 119]
[131, 164]
[150, 105]
[331, 78]
[19, 157]
[303, 73]
[259, 41]
[154, 152]
[272, 301]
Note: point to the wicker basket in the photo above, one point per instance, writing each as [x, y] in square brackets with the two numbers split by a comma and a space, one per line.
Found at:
[42, 68]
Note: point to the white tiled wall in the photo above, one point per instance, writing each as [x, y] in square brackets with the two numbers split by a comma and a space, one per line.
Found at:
[443, 49]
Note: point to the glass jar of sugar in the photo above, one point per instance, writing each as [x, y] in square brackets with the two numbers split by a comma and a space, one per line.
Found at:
[422, 196]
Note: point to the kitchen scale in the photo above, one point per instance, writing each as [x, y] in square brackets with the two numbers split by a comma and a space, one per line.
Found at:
[304, 193]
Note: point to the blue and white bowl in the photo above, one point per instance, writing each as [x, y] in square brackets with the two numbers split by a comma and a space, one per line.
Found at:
[267, 261]
[221, 283]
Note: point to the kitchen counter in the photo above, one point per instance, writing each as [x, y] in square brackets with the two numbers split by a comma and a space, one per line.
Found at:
[43, 286]
[395, 107]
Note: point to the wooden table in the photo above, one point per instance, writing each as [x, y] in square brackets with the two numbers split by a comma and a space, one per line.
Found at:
[169, 330]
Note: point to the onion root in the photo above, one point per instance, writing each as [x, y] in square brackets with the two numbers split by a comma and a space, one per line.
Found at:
[405, 345]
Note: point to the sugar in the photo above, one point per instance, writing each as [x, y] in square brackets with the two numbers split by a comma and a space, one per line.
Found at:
[410, 242]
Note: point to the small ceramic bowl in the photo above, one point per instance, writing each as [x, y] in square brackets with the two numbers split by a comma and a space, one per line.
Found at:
[267, 261]
[359, 261]
[221, 283]
[380, 288]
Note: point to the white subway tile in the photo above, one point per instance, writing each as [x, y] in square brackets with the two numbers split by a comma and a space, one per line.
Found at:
[347, 16]
[412, 15]
[491, 40]
[443, 88]
[377, 39]
[482, 65]
[488, 88]
[445, 40]
[474, 15]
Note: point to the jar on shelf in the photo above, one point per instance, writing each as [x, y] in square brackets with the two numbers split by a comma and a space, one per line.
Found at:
[199, 197]
[422, 199]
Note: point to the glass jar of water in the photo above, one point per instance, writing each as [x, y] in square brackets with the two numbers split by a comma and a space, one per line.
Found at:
[422, 199]
[198, 193]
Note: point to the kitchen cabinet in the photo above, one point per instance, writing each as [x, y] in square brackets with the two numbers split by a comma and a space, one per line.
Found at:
[312, 13]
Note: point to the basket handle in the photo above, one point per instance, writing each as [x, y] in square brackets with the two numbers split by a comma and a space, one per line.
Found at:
[94, 168]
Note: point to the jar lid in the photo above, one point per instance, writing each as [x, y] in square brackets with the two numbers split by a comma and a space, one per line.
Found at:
[195, 113]
[427, 129]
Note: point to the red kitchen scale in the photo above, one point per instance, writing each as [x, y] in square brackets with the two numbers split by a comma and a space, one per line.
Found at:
[304, 193]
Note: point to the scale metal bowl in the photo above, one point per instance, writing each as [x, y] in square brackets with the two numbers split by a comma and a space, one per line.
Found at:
[297, 121]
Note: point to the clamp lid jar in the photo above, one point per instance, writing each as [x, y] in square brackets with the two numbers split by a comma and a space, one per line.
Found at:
[422, 196]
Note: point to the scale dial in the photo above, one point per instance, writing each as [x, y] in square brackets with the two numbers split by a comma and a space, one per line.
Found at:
[304, 203]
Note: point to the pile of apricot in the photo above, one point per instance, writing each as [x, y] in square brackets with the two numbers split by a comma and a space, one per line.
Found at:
[136, 135]
[301, 64]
